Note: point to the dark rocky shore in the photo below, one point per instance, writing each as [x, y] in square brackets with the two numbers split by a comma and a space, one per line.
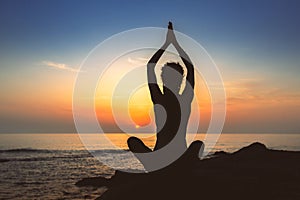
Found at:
[253, 172]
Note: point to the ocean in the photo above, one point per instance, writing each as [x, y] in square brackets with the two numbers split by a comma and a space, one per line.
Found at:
[47, 166]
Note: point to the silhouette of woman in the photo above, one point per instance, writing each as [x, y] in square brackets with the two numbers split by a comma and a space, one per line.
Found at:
[172, 110]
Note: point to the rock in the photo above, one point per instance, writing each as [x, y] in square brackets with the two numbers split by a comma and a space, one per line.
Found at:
[94, 182]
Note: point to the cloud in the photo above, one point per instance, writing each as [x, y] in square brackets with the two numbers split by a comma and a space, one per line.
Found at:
[258, 92]
[138, 60]
[60, 66]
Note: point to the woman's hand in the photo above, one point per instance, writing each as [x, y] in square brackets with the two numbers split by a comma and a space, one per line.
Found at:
[171, 38]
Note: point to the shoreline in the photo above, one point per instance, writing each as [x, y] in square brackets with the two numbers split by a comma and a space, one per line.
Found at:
[253, 172]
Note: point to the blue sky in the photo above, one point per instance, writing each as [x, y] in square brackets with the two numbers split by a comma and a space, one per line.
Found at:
[45, 27]
[64, 31]
[247, 39]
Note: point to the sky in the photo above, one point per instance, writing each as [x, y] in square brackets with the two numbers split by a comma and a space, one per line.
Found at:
[255, 44]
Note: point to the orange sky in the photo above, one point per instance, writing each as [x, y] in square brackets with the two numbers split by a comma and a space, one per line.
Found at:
[253, 104]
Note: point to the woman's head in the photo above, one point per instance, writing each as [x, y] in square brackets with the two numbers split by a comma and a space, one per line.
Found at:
[172, 75]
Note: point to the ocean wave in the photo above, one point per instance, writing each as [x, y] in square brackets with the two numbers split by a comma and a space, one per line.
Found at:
[22, 150]
[45, 158]
[31, 150]
[110, 151]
